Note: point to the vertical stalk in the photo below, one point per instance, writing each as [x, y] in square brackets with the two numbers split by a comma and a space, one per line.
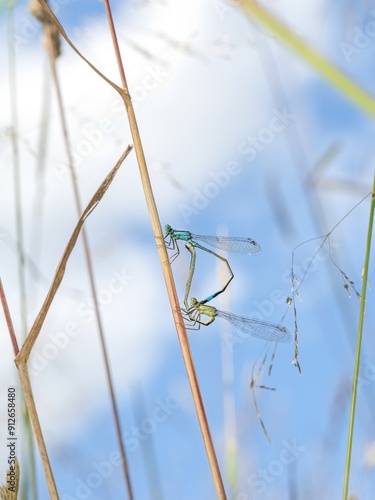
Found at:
[30, 469]
[362, 307]
[229, 409]
[166, 268]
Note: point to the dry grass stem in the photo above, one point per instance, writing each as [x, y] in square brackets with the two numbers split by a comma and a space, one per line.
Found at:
[60, 271]
[167, 271]
[8, 319]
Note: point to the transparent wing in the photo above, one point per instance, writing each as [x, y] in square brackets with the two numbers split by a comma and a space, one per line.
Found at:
[257, 328]
[234, 244]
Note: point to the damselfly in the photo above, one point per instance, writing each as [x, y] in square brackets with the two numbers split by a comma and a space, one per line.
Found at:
[234, 244]
[251, 326]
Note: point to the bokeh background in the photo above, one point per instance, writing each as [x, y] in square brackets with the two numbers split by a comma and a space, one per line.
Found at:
[241, 138]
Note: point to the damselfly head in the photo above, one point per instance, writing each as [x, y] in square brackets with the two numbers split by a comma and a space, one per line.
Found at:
[167, 229]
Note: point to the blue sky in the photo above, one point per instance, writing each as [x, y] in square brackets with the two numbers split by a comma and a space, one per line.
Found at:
[234, 128]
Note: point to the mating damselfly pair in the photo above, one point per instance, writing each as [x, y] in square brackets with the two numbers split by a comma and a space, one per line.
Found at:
[196, 309]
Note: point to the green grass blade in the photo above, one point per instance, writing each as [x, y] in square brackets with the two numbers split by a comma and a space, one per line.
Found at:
[336, 77]
[358, 346]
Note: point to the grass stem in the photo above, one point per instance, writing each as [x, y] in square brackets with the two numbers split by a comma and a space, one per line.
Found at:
[362, 308]
[29, 469]
[166, 268]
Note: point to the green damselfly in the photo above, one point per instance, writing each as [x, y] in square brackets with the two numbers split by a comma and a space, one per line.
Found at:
[251, 326]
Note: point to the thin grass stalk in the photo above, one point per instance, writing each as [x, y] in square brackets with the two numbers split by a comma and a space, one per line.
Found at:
[166, 268]
[362, 308]
[342, 83]
[30, 470]
[36, 243]
[229, 407]
[148, 449]
[16, 173]
[8, 319]
[90, 272]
